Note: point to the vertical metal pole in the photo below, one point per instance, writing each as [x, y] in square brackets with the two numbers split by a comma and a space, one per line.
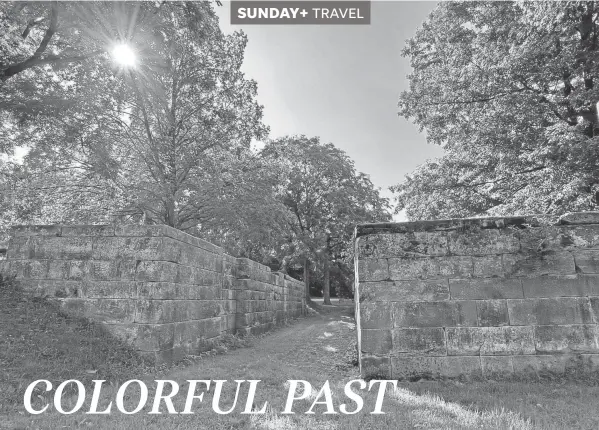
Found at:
[357, 297]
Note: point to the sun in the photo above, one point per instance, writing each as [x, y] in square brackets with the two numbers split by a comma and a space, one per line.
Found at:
[124, 55]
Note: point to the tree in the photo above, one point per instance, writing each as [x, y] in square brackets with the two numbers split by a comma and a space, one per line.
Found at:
[326, 197]
[167, 141]
[508, 89]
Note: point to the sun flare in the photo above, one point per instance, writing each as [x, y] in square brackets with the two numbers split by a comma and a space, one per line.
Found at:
[124, 55]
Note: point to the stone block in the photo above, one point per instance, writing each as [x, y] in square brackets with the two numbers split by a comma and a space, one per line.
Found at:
[550, 311]
[595, 307]
[127, 333]
[409, 244]
[21, 248]
[567, 339]
[410, 268]
[33, 269]
[488, 266]
[497, 366]
[35, 230]
[416, 290]
[435, 314]
[58, 269]
[135, 230]
[485, 288]
[110, 311]
[587, 261]
[376, 315]
[478, 241]
[78, 270]
[580, 218]
[159, 271]
[539, 264]
[492, 313]
[455, 267]
[540, 364]
[52, 288]
[128, 248]
[561, 286]
[376, 367]
[155, 337]
[66, 248]
[109, 289]
[412, 368]
[418, 341]
[377, 342]
[125, 269]
[87, 230]
[160, 311]
[581, 236]
[373, 269]
[543, 239]
[490, 341]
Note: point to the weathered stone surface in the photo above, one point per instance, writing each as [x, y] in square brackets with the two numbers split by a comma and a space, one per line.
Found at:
[490, 341]
[550, 311]
[159, 271]
[497, 366]
[587, 261]
[109, 289]
[434, 314]
[479, 241]
[535, 290]
[376, 341]
[427, 268]
[544, 239]
[87, 230]
[146, 280]
[425, 290]
[567, 339]
[411, 244]
[538, 264]
[155, 337]
[377, 315]
[139, 230]
[376, 367]
[418, 341]
[492, 313]
[580, 218]
[581, 236]
[110, 270]
[486, 288]
[373, 269]
[561, 286]
[110, 311]
[406, 367]
[539, 364]
[456, 267]
[67, 248]
[488, 266]
[35, 230]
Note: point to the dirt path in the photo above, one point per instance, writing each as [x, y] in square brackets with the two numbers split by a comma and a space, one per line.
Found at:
[322, 344]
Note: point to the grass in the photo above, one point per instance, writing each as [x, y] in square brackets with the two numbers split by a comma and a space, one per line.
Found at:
[45, 344]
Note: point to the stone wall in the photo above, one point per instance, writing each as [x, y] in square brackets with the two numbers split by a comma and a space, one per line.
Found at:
[165, 292]
[478, 297]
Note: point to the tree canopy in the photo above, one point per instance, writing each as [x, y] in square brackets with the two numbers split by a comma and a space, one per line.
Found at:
[509, 90]
[326, 197]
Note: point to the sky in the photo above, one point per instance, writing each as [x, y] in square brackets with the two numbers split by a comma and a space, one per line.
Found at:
[341, 83]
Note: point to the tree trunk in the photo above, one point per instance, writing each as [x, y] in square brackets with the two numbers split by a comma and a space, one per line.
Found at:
[327, 279]
[307, 277]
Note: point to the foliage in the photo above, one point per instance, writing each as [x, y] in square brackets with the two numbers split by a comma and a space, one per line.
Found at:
[508, 90]
[326, 196]
[167, 141]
